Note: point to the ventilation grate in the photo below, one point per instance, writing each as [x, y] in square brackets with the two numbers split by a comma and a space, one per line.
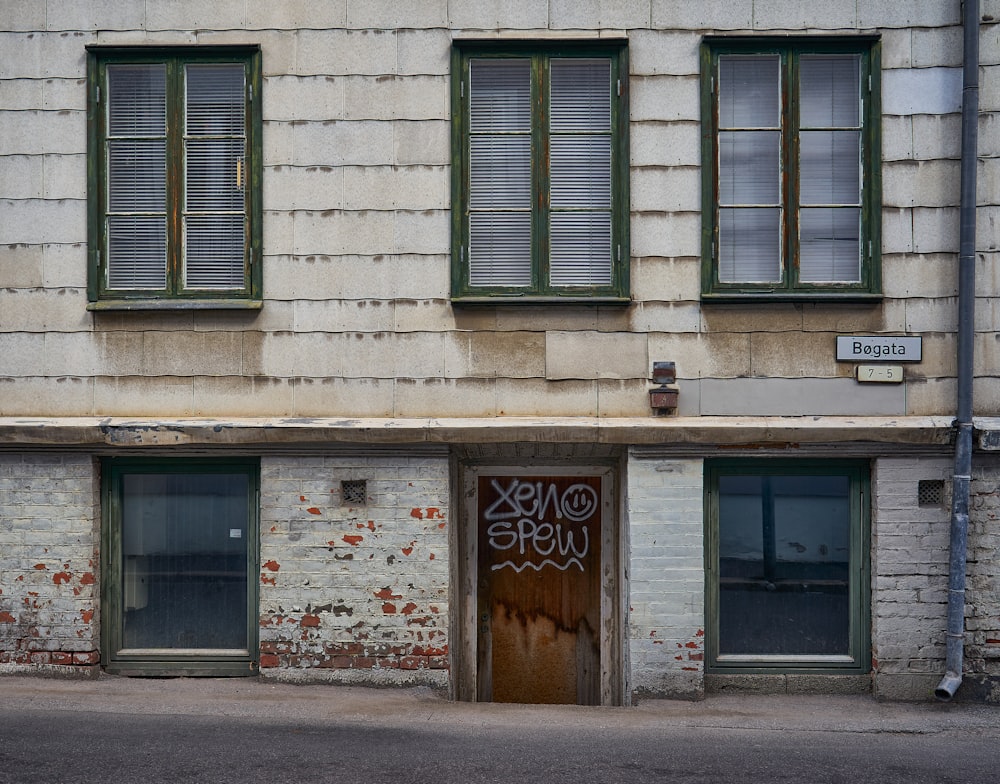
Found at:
[353, 492]
[930, 492]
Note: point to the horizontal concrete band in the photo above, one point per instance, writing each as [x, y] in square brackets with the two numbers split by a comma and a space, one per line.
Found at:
[21, 433]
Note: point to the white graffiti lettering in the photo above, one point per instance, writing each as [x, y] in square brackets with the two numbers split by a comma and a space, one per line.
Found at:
[538, 567]
[523, 516]
[542, 539]
[533, 499]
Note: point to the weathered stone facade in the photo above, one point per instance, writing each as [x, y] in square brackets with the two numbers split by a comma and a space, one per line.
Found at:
[359, 366]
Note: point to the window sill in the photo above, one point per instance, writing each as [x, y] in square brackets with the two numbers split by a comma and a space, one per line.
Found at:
[855, 297]
[523, 299]
[175, 304]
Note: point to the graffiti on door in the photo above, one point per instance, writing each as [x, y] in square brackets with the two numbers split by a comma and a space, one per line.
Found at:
[538, 584]
[534, 520]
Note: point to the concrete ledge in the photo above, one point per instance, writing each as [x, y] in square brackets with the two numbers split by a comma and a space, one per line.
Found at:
[378, 678]
[906, 687]
[750, 432]
[788, 684]
[68, 671]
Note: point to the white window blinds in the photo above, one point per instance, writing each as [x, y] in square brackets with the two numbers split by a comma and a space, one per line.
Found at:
[812, 210]
[208, 152]
[500, 173]
[540, 183]
[580, 176]
[830, 168]
[136, 219]
[750, 213]
[215, 216]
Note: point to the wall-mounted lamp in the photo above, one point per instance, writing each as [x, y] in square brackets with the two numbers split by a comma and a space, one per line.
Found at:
[663, 399]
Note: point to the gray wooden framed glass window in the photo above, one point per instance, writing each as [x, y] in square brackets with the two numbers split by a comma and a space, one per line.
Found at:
[790, 152]
[787, 566]
[174, 177]
[180, 553]
[540, 171]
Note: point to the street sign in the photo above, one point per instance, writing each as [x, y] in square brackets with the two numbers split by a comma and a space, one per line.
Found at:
[878, 348]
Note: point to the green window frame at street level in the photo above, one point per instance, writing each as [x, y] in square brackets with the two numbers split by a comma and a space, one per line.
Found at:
[540, 171]
[790, 152]
[180, 566]
[174, 177]
[787, 573]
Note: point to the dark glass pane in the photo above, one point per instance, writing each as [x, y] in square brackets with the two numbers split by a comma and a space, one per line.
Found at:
[749, 244]
[216, 104]
[184, 540]
[829, 238]
[829, 91]
[829, 167]
[501, 96]
[749, 91]
[137, 100]
[784, 556]
[748, 167]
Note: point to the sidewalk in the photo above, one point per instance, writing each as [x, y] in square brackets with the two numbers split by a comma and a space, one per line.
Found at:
[265, 700]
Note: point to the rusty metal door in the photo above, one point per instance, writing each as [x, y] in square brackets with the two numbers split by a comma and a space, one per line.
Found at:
[538, 589]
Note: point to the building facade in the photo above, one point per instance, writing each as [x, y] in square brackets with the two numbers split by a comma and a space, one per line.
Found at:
[534, 350]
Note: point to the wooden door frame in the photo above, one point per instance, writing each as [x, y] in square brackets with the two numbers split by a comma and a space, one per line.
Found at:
[464, 594]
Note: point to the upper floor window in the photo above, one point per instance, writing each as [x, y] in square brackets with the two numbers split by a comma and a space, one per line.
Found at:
[540, 175]
[791, 152]
[174, 204]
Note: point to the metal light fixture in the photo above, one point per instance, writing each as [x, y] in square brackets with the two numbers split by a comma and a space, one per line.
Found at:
[663, 399]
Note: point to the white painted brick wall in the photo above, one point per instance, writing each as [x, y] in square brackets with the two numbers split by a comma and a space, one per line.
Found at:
[910, 577]
[982, 622]
[49, 561]
[355, 593]
[666, 616]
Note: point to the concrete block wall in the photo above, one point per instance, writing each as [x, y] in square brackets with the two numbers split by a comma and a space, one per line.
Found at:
[49, 563]
[910, 546]
[357, 319]
[982, 622]
[355, 593]
[666, 585]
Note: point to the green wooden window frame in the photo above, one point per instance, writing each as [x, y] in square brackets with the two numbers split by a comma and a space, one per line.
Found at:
[115, 657]
[857, 659]
[547, 216]
[194, 239]
[794, 207]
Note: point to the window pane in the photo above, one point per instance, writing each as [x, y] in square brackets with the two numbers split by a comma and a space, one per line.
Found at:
[829, 167]
[500, 172]
[184, 540]
[748, 167]
[829, 245]
[581, 95]
[137, 252]
[749, 245]
[784, 565]
[580, 249]
[214, 247]
[581, 171]
[215, 177]
[500, 95]
[216, 104]
[829, 91]
[137, 175]
[500, 249]
[749, 91]
[137, 100]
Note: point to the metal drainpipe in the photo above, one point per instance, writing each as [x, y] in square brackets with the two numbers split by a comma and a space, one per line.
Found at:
[962, 477]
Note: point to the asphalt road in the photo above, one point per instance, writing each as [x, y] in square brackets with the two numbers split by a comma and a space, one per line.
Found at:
[177, 731]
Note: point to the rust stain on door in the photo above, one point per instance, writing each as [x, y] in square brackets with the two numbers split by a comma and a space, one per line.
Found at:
[539, 578]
